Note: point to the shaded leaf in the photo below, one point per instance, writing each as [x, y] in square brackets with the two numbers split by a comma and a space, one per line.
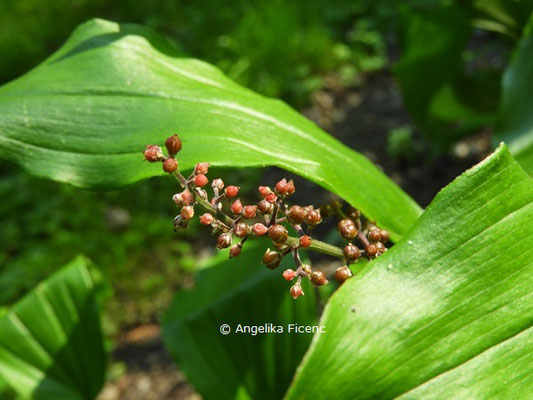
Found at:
[86, 113]
[51, 346]
[447, 312]
[238, 291]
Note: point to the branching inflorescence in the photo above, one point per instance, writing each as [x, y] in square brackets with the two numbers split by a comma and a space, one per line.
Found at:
[271, 216]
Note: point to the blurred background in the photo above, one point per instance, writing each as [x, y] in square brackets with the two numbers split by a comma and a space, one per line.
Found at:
[347, 65]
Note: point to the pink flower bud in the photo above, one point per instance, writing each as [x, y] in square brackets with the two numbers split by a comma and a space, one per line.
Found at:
[235, 251]
[173, 144]
[236, 207]
[305, 241]
[231, 191]
[201, 168]
[264, 190]
[207, 219]
[224, 241]
[289, 274]
[187, 212]
[281, 187]
[200, 180]
[178, 199]
[271, 197]
[296, 291]
[249, 212]
[187, 197]
[217, 183]
[153, 153]
[259, 229]
[170, 165]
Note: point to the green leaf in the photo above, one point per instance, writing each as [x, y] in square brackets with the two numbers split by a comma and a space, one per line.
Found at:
[515, 121]
[51, 346]
[238, 291]
[447, 312]
[430, 50]
[86, 113]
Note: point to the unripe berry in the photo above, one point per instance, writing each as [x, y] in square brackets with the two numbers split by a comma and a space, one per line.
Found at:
[180, 223]
[271, 197]
[306, 268]
[241, 229]
[217, 183]
[296, 291]
[259, 229]
[290, 188]
[153, 153]
[347, 229]
[207, 219]
[235, 251]
[236, 207]
[278, 234]
[200, 180]
[187, 212]
[187, 197]
[224, 240]
[265, 207]
[231, 191]
[351, 252]
[353, 213]
[305, 241]
[170, 165]
[318, 278]
[173, 144]
[371, 250]
[342, 274]
[289, 274]
[281, 187]
[374, 235]
[201, 168]
[313, 218]
[249, 212]
[381, 248]
[296, 214]
[271, 259]
[385, 235]
[264, 191]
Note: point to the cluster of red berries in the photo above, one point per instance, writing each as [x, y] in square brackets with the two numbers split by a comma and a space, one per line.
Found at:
[271, 216]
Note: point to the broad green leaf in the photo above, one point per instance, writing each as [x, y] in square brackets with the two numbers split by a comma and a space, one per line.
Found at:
[86, 113]
[507, 17]
[515, 122]
[238, 291]
[431, 53]
[448, 311]
[51, 346]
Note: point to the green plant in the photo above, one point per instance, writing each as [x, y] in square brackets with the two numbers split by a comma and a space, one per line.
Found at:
[446, 312]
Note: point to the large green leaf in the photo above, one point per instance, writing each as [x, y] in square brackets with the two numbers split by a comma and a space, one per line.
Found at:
[85, 114]
[515, 123]
[238, 291]
[51, 346]
[447, 312]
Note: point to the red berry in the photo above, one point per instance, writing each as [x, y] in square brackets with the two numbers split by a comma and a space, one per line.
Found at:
[200, 180]
[289, 274]
[170, 165]
[207, 219]
[374, 235]
[153, 153]
[201, 168]
[296, 291]
[231, 191]
[305, 241]
[249, 212]
[259, 229]
[371, 250]
[173, 144]
[236, 207]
